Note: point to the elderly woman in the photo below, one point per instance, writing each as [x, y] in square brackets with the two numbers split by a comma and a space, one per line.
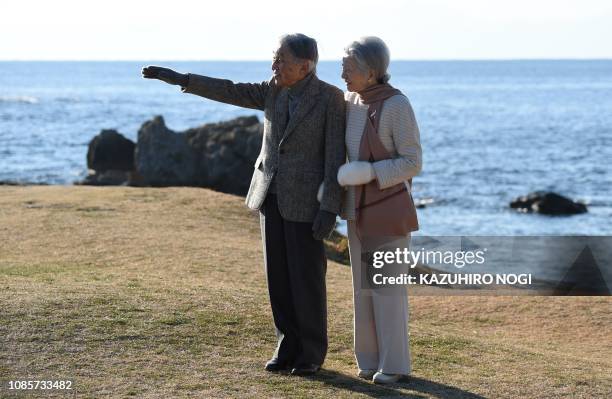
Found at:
[384, 153]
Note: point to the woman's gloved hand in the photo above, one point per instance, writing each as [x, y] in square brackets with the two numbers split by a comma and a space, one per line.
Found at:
[166, 75]
[356, 173]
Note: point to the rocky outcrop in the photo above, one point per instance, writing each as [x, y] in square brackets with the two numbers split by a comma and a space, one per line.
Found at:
[216, 155]
[547, 203]
[163, 157]
[219, 156]
[110, 150]
[110, 159]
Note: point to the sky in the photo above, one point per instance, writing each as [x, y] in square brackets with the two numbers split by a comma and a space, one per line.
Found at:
[249, 30]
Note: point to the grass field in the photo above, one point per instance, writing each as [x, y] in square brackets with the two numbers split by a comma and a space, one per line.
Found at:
[160, 293]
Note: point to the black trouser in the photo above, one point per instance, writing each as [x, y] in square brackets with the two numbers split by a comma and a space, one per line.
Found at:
[295, 268]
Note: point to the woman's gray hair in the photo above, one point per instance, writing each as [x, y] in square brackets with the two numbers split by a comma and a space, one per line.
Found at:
[302, 47]
[370, 52]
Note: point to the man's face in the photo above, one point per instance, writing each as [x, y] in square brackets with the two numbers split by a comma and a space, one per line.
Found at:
[287, 69]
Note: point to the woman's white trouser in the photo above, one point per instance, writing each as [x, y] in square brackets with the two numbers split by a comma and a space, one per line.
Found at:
[380, 317]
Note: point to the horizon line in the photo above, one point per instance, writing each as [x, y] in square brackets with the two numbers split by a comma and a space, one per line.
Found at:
[322, 60]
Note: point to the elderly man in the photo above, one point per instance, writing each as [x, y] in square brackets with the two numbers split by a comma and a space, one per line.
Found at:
[303, 147]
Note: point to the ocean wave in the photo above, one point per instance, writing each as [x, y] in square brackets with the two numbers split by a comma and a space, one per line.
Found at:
[70, 100]
[19, 99]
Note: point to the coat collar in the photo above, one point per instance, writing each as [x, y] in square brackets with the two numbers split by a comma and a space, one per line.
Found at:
[308, 99]
[297, 89]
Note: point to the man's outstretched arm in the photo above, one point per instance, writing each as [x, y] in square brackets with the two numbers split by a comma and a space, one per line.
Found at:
[248, 95]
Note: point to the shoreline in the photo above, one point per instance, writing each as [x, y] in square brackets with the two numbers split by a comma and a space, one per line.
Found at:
[337, 249]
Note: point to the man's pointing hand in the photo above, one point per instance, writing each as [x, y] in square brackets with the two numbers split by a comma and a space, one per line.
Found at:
[165, 74]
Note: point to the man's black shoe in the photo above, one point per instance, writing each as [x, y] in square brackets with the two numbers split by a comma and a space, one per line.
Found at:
[274, 366]
[305, 369]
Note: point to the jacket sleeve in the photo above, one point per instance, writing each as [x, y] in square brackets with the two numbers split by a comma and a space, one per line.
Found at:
[247, 95]
[406, 138]
[335, 152]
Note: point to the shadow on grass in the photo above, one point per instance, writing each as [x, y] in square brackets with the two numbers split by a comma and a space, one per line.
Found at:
[420, 385]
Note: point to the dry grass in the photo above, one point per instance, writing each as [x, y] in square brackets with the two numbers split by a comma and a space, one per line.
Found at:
[159, 293]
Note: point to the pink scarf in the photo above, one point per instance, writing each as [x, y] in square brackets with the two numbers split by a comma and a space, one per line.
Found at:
[380, 212]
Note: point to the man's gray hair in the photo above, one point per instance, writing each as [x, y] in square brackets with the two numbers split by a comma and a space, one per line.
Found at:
[370, 52]
[302, 47]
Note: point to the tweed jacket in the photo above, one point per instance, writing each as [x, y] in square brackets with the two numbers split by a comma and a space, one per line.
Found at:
[300, 152]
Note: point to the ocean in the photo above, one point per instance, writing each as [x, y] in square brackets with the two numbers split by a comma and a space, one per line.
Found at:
[490, 130]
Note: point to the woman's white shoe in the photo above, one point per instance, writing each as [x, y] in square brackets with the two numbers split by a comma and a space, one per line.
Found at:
[367, 374]
[382, 378]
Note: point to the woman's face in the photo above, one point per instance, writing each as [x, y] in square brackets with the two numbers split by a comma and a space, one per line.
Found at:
[356, 80]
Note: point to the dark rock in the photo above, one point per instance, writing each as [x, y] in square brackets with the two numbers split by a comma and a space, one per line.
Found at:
[216, 155]
[336, 248]
[422, 203]
[548, 203]
[164, 158]
[21, 183]
[110, 150]
[110, 177]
